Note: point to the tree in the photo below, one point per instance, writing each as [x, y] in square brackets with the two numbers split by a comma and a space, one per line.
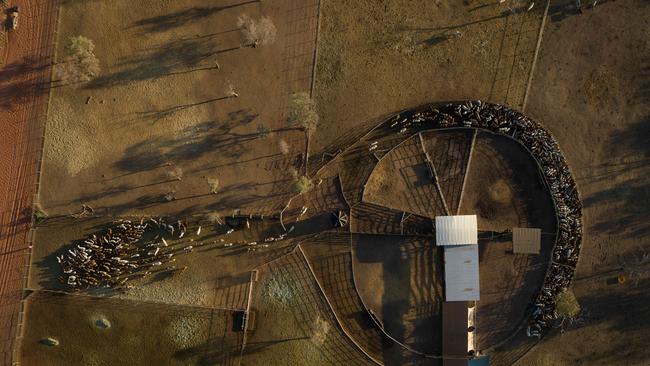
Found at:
[260, 32]
[567, 304]
[302, 185]
[80, 64]
[302, 112]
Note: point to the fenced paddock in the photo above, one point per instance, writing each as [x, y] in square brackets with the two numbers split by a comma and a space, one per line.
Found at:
[450, 152]
[333, 270]
[401, 180]
[137, 333]
[289, 300]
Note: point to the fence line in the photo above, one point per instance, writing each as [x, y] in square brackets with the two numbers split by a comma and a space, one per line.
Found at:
[537, 47]
[469, 161]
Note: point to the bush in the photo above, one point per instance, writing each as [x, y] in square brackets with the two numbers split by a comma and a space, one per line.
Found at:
[169, 196]
[214, 218]
[175, 174]
[231, 92]
[213, 183]
[567, 304]
[284, 147]
[81, 64]
[79, 45]
[302, 185]
[302, 111]
[38, 214]
[263, 131]
[256, 32]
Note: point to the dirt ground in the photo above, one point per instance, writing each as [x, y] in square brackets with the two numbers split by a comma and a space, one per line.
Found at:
[401, 181]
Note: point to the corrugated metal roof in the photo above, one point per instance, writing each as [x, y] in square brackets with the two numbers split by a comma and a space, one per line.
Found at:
[461, 273]
[456, 230]
[526, 240]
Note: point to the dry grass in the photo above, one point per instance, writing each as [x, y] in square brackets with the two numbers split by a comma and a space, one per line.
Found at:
[70, 143]
[279, 292]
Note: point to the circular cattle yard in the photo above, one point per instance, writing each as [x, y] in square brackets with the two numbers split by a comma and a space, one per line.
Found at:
[468, 158]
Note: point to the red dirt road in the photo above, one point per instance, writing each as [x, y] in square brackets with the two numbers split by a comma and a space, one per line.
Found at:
[24, 81]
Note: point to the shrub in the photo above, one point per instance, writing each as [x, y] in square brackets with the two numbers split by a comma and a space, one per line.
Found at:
[175, 174]
[256, 32]
[302, 185]
[231, 92]
[302, 111]
[213, 184]
[567, 304]
[169, 196]
[79, 45]
[263, 131]
[284, 147]
[81, 64]
[38, 214]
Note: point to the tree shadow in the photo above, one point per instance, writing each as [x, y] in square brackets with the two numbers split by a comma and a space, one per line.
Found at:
[627, 202]
[561, 10]
[180, 18]
[160, 114]
[194, 142]
[618, 311]
[16, 88]
[158, 61]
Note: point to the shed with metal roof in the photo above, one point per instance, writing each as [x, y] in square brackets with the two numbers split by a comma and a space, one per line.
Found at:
[456, 230]
[526, 240]
[461, 273]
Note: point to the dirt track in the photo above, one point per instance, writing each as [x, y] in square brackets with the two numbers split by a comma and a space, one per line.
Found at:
[23, 103]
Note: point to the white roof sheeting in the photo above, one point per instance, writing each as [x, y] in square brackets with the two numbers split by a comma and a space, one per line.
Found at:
[461, 273]
[456, 230]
